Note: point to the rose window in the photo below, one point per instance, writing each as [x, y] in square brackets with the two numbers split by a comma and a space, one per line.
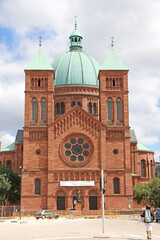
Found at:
[76, 150]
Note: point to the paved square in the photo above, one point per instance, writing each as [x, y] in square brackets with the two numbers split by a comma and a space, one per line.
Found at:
[76, 229]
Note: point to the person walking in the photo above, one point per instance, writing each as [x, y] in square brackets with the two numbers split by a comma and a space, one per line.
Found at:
[148, 216]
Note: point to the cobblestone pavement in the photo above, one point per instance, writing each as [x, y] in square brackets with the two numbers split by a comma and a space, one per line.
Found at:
[75, 229]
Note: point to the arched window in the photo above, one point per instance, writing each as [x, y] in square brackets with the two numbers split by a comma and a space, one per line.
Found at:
[114, 84]
[60, 200]
[116, 186]
[34, 110]
[38, 186]
[143, 168]
[90, 107]
[9, 164]
[79, 104]
[0, 163]
[43, 109]
[119, 109]
[58, 108]
[39, 82]
[62, 108]
[151, 169]
[94, 108]
[73, 104]
[110, 114]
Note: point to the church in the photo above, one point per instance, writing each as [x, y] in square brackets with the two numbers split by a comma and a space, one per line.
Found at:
[76, 124]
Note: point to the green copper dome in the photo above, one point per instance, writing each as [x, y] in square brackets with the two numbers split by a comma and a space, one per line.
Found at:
[76, 67]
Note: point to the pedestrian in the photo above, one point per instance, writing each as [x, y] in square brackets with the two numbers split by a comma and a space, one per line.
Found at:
[148, 216]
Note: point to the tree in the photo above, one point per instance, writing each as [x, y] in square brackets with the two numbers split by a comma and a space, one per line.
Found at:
[5, 186]
[13, 194]
[148, 193]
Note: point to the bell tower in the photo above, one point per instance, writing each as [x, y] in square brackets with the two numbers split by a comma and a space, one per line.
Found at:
[39, 113]
[114, 113]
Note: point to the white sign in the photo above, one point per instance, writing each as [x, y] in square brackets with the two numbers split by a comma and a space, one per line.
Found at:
[77, 183]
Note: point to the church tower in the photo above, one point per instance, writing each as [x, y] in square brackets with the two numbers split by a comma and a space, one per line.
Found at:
[114, 113]
[39, 113]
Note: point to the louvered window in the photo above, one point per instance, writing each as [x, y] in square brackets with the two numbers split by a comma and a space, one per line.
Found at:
[38, 186]
[94, 108]
[110, 114]
[90, 108]
[143, 168]
[62, 108]
[119, 109]
[58, 108]
[34, 110]
[43, 110]
[116, 186]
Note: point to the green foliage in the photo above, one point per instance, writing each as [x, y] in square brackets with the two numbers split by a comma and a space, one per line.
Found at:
[5, 186]
[148, 193]
[13, 194]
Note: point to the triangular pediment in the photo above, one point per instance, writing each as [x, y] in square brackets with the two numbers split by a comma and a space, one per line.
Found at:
[79, 117]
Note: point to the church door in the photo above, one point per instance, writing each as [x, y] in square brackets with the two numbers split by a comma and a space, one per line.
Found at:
[60, 200]
[93, 200]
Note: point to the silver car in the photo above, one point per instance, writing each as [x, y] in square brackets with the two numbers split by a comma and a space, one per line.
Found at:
[46, 214]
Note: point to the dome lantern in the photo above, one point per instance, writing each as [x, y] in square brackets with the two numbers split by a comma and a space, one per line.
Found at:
[75, 39]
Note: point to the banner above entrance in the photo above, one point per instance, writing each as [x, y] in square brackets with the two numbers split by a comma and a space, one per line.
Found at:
[77, 183]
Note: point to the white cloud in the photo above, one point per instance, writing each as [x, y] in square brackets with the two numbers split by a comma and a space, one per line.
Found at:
[6, 139]
[134, 24]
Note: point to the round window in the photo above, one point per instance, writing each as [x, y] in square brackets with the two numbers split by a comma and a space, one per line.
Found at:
[115, 151]
[76, 149]
[38, 152]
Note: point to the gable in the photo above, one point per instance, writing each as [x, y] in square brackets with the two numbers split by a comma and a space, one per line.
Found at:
[79, 117]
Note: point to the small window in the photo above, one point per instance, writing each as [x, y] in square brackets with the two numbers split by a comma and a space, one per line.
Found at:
[143, 168]
[90, 108]
[119, 109]
[94, 108]
[39, 82]
[38, 186]
[114, 84]
[110, 114]
[73, 104]
[62, 108]
[151, 169]
[0, 163]
[79, 104]
[34, 110]
[75, 39]
[9, 164]
[115, 151]
[116, 186]
[43, 110]
[58, 108]
[38, 152]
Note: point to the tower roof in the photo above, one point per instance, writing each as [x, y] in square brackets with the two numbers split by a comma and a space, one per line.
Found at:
[113, 62]
[39, 62]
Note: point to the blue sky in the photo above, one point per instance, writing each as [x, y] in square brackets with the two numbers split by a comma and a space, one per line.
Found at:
[135, 26]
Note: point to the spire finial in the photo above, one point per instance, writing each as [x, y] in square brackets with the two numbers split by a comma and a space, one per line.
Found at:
[112, 44]
[75, 22]
[40, 38]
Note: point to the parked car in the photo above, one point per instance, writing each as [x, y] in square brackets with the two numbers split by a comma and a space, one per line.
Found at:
[46, 214]
[157, 215]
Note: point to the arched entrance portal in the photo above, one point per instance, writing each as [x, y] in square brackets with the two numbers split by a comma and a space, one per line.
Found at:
[60, 200]
[93, 200]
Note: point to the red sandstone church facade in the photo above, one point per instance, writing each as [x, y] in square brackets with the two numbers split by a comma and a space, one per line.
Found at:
[76, 124]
